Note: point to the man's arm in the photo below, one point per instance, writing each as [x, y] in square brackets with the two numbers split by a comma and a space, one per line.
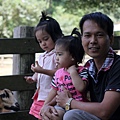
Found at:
[103, 110]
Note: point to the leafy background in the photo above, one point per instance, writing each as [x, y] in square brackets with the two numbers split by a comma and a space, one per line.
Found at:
[68, 13]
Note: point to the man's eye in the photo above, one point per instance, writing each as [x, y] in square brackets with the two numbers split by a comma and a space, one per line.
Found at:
[100, 35]
[86, 35]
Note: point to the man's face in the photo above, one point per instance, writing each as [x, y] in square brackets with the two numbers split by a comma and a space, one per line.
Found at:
[95, 40]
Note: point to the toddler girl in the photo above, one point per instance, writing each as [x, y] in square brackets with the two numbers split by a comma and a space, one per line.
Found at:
[70, 75]
[46, 33]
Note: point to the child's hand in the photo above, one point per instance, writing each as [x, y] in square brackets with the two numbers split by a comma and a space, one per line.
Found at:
[36, 68]
[29, 79]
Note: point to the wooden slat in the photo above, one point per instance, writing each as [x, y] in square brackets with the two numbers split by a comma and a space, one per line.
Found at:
[20, 115]
[15, 83]
[29, 45]
[19, 46]
[116, 45]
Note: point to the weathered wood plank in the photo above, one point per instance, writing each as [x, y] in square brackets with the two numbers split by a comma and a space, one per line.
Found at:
[116, 45]
[20, 115]
[19, 46]
[28, 45]
[15, 83]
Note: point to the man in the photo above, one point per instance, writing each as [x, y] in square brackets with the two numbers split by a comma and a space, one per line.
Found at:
[104, 74]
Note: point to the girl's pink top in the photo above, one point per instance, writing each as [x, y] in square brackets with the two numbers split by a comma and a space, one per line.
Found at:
[62, 78]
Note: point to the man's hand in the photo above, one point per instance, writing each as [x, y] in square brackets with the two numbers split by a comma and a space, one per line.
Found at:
[62, 97]
[48, 112]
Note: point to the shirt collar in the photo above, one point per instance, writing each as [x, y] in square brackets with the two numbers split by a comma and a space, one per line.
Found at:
[106, 65]
[48, 53]
[108, 61]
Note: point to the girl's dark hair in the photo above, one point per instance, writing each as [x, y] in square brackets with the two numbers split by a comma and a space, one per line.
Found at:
[101, 19]
[73, 44]
[50, 25]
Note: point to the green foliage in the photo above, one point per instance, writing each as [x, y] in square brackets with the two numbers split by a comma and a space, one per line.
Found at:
[74, 9]
[67, 21]
[67, 12]
[106, 6]
[117, 33]
[19, 12]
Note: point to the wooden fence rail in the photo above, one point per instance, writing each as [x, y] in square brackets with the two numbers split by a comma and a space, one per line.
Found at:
[16, 82]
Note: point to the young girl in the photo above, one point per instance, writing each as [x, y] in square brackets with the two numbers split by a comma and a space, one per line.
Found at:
[46, 33]
[71, 76]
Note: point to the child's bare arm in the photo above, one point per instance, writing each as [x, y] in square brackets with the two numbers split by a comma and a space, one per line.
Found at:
[31, 79]
[51, 96]
[76, 79]
[39, 69]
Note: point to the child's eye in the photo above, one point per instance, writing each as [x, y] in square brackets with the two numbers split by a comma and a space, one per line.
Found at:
[60, 54]
[46, 38]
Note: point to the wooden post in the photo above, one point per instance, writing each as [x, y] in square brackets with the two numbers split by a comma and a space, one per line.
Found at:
[22, 65]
